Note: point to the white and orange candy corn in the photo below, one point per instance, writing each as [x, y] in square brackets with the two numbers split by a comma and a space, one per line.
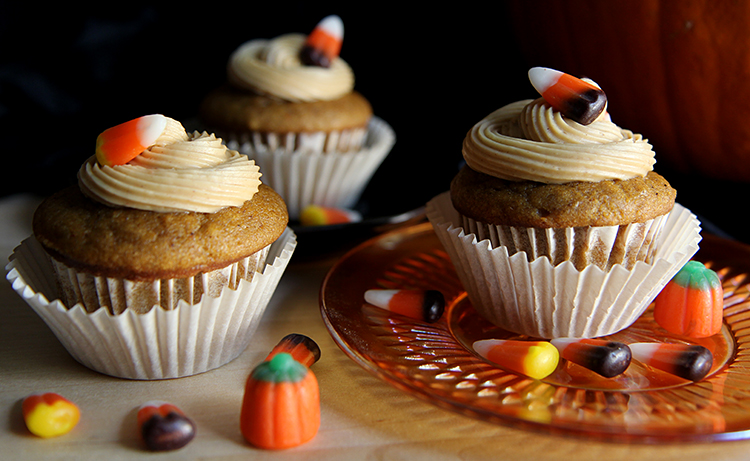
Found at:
[163, 426]
[49, 414]
[302, 349]
[535, 359]
[315, 215]
[122, 143]
[323, 44]
[576, 99]
[605, 358]
[688, 361]
[427, 305]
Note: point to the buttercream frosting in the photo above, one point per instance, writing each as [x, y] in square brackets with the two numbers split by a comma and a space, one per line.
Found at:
[180, 172]
[273, 67]
[530, 141]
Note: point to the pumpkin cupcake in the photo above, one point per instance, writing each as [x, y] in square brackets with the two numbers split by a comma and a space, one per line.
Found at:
[160, 263]
[289, 103]
[557, 225]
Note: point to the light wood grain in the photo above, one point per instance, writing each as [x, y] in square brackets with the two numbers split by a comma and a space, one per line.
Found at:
[363, 418]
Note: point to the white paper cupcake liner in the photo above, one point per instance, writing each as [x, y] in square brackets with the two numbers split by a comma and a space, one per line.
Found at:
[160, 344]
[117, 295]
[602, 246]
[543, 300]
[330, 179]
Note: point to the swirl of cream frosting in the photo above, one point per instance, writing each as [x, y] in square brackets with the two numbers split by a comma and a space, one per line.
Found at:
[180, 172]
[273, 67]
[530, 141]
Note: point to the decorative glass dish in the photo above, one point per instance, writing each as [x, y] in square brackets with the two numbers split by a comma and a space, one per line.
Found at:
[435, 361]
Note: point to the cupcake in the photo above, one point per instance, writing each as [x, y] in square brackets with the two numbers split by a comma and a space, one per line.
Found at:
[557, 224]
[161, 261]
[289, 103]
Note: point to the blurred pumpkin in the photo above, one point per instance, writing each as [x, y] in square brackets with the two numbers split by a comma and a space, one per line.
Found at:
[676, 71]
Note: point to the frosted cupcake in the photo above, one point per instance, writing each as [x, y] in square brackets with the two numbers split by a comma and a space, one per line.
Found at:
[289, 103]
[160, 263]
[559, 228]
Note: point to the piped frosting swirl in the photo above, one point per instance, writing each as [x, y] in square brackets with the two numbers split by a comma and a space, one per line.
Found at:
[180, 172]
[530, 141]
[273, 67]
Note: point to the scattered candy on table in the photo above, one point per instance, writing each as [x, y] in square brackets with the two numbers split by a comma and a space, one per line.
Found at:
[281, 405]
[576, 99]
[163, 426]
[122, 143]
[606, 358]
[315, 215]
[692, 362]
[692, 303]
[535, 359]
[323, 44]
[427, 305]
[302, 348]
[49, 414]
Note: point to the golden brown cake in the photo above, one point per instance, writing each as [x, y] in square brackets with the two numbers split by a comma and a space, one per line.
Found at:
[533, 204]
[142, 245]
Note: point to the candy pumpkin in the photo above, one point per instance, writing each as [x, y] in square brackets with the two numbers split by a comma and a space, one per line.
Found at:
[281, 406]
[692, 303]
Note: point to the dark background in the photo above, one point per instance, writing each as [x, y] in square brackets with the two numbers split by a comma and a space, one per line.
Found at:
[69, 72]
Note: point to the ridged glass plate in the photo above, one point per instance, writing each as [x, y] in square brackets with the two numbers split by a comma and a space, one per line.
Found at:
[435, 361]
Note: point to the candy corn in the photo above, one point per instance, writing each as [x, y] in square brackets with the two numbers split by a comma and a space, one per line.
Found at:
[163, 426]
[692, 303]
[535, 359]
[574, 98]
[315, 215]
[323, 44]
[606, 358]
[124, 142]
[691, 362]
[302, 348]
[49, 415]
[427, 305]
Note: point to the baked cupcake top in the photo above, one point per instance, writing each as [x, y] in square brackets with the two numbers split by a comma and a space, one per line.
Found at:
[173, 205]
[530, 164]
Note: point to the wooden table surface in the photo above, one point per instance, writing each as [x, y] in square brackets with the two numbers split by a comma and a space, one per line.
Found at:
[362, 417]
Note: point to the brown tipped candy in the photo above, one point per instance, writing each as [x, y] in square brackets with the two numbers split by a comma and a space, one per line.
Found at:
[302, 348]
[691, 362]
[323, 44]
[605, 358]
[576, 99]
[164, 427]
[427, 305]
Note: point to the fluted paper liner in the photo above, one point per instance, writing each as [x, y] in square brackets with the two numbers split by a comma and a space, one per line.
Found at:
[542, 300]
[315, 176]
[184, 341]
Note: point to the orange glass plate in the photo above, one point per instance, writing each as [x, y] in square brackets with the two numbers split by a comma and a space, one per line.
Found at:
[435, 361]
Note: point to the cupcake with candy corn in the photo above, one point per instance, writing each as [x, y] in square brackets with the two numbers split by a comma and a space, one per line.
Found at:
[289, 103]
[160, 263]
[557, 225]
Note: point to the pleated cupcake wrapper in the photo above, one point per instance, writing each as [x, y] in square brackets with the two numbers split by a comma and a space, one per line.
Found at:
[601, 246]
[540, 299]
[117, 295]
[184, 341]
[330, 179]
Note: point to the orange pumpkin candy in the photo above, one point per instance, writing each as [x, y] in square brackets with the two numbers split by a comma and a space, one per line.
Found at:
[692, 303]
[281, 406]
